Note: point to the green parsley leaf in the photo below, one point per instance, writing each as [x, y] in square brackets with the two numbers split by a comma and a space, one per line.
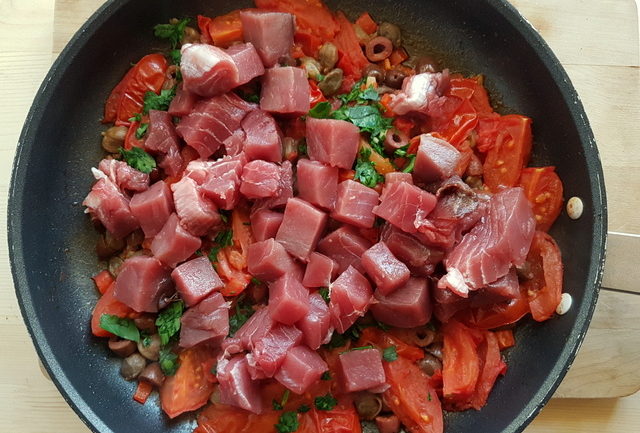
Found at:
[242, 314]
[412, 163]
[326, 375]
[390, 354]
[366, 173]
[168, 321]
[122, 327]
[324, 292]
[353, 94]
[288, 422]
[146, 341]
[302, 148]
[401, 152]
[276, 405]
[337, 340]
[198, 253]
[175, 57]
[304, 408]
[322, 110]
[325, 402]
[382, 326]
[224, 215]
[173, 32]
[224, 238]
[139, 159]
[256, 281]
[153, 101]
[429, 396]
[136, 118]
[168, 361]
[369, 94]
[214, 370]
[142, 129]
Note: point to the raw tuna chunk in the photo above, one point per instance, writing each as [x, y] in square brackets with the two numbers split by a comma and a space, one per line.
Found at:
[270, 350]
[355, 204]
[222, 185]
[161, 136]
[301, 228]
[265, 224]
[407, 307]
[487, 252]
[286, 190]
[152, 208]
[316, 325]
[270, 32]
[285, 91]
[236, 386]
[213, 123]
[419, 258]
[345, 246]
[183, 102]
[288, 300]
[258, 325]
[248, 62]
[317, 183]
[171, 162]
[111, 207]
[320, 271]
[260, 179]
[502, 290]
[333, 142]
[420, 93]
[397, 177]
[195, 280]
[124, 176]
[206, 322]
[174, 244]
[351, 296]
[387, 272]
[301, 368]
[362, 369]
[262, 137]
[197, 214]
[268, 260]
[141, 282]
[405, 205]
[436, 159]
[234, 145]
[207, 70]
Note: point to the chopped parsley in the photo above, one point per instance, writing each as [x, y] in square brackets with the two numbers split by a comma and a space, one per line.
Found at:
[326, 375]
[138, 159]
[302, 148]
[366, 173]
[173, 32]
[324, 292]
[279, 405]
[325, 402]
[122, 327]
[214, 370]
[256, 281]
[288, 422]
[175, 57]
[390, 354]
[322, 110]
[224, 215]
[142, 129]
[136, 118]
[242, 314]
[410, 165]
[429, 396]
[303, 408]
[357, 94]
[168, 361]
[153, 101]
[168, 321]
[224, 238]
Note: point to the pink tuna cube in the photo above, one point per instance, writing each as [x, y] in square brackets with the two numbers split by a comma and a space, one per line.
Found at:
[320, 271]
[404, 205]
[355, 204]
[268, 260]
[285, 91]
[407, 307]
[206, 322]
[197, 214]
[152, 208]
[161, 136]
[111, 208]
[317, 183]
[195, 280]
[174, 244]
[207, 70]
[262, 137]
[419, 258]
[141, 282]
[258, 325]
[124, 176]
[260, 179]
[248, 62]
[316, 325]
[288, 300]
[345, 246]
[236, 386]
[270, 32]
[351, 296]
[219, 180]
[361, 369]
[183, 102]
[301, 368]
[387, 272]
[301, 228]
[265, 224]
[333, 142]
[270, 350]
[285, 193]
[436, 159]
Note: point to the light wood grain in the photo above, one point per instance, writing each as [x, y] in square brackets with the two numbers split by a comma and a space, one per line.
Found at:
[597, 41]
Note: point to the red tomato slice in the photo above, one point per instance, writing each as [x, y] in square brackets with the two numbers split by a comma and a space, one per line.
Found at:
[103, 281]
[460, 361]
[543, 188]
[352, 59]
[143, 391]
[545, 288]
[220, 418]
[223, 30]
[108, 304]
[367, 23]
[316, 94]
[498, 315]
[338, 420]
[189, 388]
[383, 339]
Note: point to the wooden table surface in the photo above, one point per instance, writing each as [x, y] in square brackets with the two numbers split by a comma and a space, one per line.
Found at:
[597, 42]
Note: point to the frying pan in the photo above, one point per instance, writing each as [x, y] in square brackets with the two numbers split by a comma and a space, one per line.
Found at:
[51, 241]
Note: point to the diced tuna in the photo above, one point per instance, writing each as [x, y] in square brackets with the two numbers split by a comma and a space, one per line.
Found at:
[397, 177]
[258, 325]
[301, 228]
[351, 296]
[152, 208]
[173, 244]
[260, 179]
[263, 139]
[270, 32]
[124, 176]
[436, 159]
[206, 322]
[317, 183]
[270, 350]
[265, 224]
[355, 204]
[255, 371]
[248, 62]
[361, 369]
[419, 258]
[221, 182]
[161, 135]
[387, 272]
[320, 271]
[407, 307]
[183, 102]
[405, 205]
[286, 190]
[171, 162]
[236, 386]
[234, 145]
[207, 70]
[333, 142]
[195, 280]
[288, 300]
[504, 289]
[285, 91]
[141, 282]
[420, 92]
[268, 260]
[345, 246]
[301, 368]
[197, 214]
[316, 325]
[111, 208]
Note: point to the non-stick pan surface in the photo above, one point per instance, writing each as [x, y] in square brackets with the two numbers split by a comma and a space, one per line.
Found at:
[52, 241]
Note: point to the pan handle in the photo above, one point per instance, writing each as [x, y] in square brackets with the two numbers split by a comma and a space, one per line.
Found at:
[622, 270]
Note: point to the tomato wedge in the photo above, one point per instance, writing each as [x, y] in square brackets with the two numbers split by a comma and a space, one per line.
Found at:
[545, 288]
[495, 316]
[543, 188]
[108, 304]
[189, 388]
[383, 339]
[220, 418]
[341, 419]
[367, 23]
[103, 281]
[232, 260]
[460, 361]
[223, 30]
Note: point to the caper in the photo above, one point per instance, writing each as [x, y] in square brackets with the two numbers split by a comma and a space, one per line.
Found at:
[392, 32]
[328, 56]
[312, 66]
[113, 138]
[332, 82]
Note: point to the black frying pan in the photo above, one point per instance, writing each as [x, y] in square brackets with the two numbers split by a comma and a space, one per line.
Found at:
[52, 242]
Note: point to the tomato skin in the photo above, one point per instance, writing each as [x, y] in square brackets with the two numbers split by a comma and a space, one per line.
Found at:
[545, 288]
[367, 23]
[220, 418]
[460, 361]
[505, 338]
[103, 281]
[108, 304]
[232, 260]
[143, 391]
[495, 316]
[222, 30]
[341, 419]
[394, 337]
[543, 188]
[351, 58]
[315, 94]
